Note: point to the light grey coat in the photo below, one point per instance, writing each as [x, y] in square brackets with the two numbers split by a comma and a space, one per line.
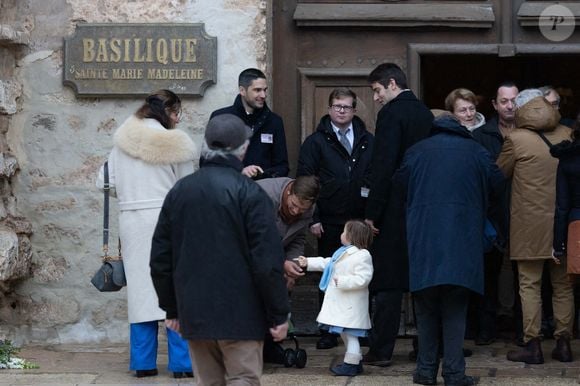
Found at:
[145, 163]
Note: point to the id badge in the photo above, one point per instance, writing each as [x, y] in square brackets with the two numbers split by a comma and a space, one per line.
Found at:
[364, 192]
[267, 138]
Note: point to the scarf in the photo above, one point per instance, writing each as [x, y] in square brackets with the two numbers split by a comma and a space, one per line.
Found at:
[327, 273]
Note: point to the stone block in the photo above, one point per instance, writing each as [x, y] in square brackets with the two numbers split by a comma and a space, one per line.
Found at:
[9, 92]
[9, 262]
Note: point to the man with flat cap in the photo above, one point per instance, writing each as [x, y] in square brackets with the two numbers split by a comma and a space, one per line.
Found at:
[217, 262]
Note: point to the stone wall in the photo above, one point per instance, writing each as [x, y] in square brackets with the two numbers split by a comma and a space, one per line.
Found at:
[58, 141]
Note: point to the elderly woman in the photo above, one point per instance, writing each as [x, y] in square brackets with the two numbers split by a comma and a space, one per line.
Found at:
[461, 102]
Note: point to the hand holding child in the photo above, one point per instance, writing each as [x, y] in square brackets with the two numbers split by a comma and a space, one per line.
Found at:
[302, 261]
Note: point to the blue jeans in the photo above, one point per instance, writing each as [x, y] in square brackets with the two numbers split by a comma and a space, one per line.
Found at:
[144, 342]
[445, 307]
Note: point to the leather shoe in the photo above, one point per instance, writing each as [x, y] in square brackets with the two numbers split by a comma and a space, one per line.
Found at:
[145, 373]
[347, 369]
[423, 380]
[483, 340]
[182, 374]
[530, 354]
[562, 352]
[465, 381]
[373, 360]
[327, 341]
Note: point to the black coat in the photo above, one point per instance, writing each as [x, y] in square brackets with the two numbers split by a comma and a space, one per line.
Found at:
[216, 256]
[567, 191]
[490, 137]
[268, 143]
[341, 175]
[401, 123]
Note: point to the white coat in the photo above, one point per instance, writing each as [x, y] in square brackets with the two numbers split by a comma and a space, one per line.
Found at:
[145, 163]
[346, 304]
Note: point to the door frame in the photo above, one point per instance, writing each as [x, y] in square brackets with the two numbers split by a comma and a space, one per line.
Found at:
[415, 51]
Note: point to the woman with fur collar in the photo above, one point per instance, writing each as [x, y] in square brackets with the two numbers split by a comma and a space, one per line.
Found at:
[148, 157]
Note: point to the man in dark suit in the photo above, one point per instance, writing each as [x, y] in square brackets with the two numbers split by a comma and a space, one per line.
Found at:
[267, 155]
[402, 121]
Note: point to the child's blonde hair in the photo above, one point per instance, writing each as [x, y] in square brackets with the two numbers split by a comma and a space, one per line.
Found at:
[359, 233]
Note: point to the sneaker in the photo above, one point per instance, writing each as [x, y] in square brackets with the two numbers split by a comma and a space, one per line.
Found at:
[347, 370]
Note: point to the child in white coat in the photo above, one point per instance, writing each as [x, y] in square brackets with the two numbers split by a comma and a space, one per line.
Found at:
[345, 280]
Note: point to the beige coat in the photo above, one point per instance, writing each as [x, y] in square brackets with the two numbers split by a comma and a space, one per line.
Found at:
[346, 304]
[526, 158]
[144, 164]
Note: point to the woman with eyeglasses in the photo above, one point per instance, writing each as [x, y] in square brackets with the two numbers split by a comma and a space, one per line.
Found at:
[148, 157]
[462, 103]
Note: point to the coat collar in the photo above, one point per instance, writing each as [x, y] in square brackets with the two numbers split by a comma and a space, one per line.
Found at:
[228, 161]
[147, 140]
[449, 124]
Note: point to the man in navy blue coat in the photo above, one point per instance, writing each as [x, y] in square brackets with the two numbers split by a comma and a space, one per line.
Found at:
[448, 178]
[267, 155]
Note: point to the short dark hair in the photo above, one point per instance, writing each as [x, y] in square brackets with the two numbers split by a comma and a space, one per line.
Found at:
[248, 76]
[157, 105]
[383, 73]
[507, 83]
[359, 233]
[342, 92]
[306, 188]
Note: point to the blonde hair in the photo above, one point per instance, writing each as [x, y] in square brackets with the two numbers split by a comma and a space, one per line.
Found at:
[359, 233]
[459, 93]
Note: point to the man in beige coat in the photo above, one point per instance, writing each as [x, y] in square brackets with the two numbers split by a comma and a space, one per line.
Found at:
[525, 157]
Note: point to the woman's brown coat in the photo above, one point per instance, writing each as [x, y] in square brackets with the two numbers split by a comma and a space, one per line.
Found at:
[526, 158]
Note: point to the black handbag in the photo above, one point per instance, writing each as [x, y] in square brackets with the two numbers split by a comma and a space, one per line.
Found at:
[111, 276]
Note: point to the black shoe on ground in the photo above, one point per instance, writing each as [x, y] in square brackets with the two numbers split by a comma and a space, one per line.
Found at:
[466, 381]
[484, 340]
[145, 373]
[373, 360]
[423, 380]
[182, 374]
[467, 353]
[327, 341]
[347, 369]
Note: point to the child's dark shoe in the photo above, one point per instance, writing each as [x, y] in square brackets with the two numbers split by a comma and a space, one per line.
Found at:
[347, 369]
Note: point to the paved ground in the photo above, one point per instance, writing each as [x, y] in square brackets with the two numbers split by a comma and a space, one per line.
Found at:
[68, 365]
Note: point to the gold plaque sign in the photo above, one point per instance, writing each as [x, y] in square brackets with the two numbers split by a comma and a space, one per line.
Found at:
[117, 60]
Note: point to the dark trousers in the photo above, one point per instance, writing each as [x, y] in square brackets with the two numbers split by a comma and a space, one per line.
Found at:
[386, 321]
[443, 308]
[482, 310]
[328, 243]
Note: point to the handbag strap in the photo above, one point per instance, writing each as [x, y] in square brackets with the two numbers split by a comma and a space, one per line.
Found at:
[546, 141]
[106, 189]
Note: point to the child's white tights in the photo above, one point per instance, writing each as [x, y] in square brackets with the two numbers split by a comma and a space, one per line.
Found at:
[353, 354]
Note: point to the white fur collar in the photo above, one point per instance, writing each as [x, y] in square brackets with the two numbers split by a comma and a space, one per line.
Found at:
[149, 141]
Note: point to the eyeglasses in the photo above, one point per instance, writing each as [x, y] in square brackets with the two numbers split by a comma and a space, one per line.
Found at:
[339, 108]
